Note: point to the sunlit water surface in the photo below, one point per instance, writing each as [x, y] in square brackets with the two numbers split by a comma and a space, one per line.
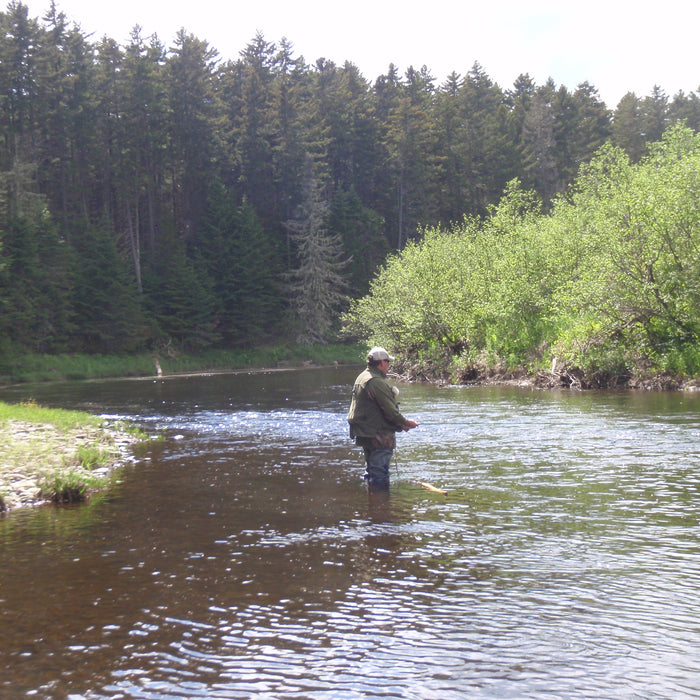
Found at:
[241, 557]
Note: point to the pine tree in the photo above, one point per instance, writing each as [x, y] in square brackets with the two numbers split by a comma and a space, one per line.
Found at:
[243, 266]
[195, 132]
[627, 127]
[317, 284]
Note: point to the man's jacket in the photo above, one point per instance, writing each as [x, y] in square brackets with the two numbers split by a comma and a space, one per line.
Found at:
[373, 409]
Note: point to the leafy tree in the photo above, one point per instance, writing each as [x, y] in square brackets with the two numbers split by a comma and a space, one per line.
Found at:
[607, 284]
[143, 153]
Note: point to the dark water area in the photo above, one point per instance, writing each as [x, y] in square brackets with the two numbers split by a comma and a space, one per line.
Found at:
[241, 557]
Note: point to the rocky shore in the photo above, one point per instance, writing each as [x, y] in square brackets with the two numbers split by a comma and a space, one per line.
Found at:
[32, 453]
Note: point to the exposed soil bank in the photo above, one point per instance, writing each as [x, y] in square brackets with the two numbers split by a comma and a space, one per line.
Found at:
[558, 378]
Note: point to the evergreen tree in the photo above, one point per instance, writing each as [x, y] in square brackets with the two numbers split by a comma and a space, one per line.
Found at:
[411, 149]
[686, 108]
[538, 147]
[35, 286]
[106, 310]
[178, 297]
[195, 127]
[246, 88]
[655, 117]
[627, 130]
[361, 231]
[317, 284]
[489, 149]
[242, 263]
[146, 119]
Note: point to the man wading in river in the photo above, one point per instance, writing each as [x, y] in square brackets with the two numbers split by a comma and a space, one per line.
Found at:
[375, 418]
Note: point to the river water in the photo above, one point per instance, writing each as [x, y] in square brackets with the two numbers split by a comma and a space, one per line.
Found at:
[241, 557]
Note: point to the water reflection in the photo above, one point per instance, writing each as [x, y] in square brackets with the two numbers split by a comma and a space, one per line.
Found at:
[242, 557]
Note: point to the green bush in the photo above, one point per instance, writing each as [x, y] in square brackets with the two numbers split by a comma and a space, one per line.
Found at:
[608, 283]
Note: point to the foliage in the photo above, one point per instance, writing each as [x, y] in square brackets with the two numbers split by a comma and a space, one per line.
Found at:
[34, 368]
[66, 485]
[145, 191]
[607, 284]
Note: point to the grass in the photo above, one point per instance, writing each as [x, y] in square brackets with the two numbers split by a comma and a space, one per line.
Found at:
[55, 454]
[38, 368]
[67, 486]
[31, 412]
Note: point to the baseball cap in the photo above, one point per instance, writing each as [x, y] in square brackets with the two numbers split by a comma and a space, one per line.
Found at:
[377, 353]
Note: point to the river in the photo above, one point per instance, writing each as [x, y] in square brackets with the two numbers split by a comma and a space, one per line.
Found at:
[241, 557]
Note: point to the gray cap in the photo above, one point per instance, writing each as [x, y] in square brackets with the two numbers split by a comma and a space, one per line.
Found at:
[376, 354]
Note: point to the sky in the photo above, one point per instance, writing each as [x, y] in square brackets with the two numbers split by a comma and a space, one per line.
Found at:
[617, 46]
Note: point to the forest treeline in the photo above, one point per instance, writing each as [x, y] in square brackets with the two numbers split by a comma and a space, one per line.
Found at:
[155, 196]
[601, 291]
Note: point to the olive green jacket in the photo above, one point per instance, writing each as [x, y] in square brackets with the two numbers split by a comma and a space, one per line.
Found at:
[373, 409]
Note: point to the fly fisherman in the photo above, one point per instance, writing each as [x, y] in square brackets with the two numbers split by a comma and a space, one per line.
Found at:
[375, 418]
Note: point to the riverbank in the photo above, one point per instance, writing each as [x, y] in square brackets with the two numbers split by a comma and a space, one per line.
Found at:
[30, 368]
[559, 376]
[54, 455]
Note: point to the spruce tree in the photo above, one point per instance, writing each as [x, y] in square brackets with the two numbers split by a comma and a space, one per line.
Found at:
[317, 285]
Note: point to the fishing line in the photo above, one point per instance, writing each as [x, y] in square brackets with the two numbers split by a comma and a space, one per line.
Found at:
[396, 463]
[423, 484]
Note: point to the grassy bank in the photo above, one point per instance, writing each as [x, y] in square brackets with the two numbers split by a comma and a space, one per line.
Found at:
[55, 455]
[37, 368]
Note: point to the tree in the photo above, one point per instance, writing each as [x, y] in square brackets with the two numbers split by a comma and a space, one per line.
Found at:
[654, 115]
[489, 147]
[538, 147]
[316, 286]
[178, 296]
[243, 265]
[145, 127]
[410, 145]
[106, 310]
[588, 129]
[195, 129]
[627, 130]
[245, 88]
[361, 230]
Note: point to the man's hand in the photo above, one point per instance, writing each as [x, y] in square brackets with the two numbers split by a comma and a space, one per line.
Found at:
[410, 424]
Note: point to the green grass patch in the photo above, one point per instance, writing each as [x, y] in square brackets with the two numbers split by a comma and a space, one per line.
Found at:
[67, 485]
[31, 412]
[39, 368]
[55, 454]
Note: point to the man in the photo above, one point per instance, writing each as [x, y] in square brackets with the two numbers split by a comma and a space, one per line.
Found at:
[374, 417]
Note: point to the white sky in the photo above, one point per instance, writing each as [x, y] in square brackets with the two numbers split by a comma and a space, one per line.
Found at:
[618, 46]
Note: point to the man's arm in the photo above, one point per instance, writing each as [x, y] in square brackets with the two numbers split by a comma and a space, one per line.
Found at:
[382, 394]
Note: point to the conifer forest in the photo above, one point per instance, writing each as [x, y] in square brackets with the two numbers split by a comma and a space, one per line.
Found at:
[152, 194]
